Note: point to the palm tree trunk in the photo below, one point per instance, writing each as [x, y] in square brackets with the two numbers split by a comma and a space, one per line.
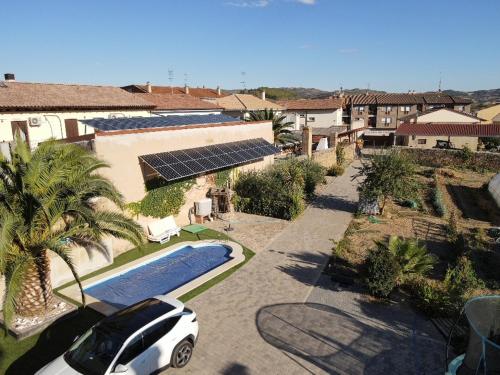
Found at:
[36, 294]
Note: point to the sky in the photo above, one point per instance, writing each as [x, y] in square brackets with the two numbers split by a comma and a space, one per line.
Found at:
[392, 45]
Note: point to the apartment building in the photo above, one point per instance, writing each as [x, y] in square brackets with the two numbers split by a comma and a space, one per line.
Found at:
[382, 113]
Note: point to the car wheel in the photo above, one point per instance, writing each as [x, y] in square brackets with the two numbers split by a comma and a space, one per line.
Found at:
[182, 354]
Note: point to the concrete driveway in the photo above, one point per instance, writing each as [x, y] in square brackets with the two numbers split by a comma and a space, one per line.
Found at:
[277, 316]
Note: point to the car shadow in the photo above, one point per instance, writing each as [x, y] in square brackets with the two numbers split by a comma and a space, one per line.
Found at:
[54, 341]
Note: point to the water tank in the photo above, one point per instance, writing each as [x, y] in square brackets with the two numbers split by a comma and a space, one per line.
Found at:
[494, 188]
[203, 207]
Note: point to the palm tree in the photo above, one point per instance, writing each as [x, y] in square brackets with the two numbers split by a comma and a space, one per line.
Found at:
[412, 257]
[281, 128]
[46, 204]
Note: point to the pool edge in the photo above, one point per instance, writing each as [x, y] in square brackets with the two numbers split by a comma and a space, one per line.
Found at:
[73, 291]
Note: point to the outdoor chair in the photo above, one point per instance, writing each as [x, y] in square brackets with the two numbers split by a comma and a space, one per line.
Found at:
[161, 230]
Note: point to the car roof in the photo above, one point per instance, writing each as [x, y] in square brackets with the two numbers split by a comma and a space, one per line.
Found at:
[132, 318]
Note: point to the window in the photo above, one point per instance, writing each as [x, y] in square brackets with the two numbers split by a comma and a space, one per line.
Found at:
[302, 116]
[413, 137]
[361, 109]
[405, 108]
[388, 109]
[422, 141]
[386, 120]
[460, 108]
[156, 332]
[133, 349]
[312, 119]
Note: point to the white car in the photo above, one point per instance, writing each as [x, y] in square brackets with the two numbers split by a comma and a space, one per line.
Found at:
[148, 336]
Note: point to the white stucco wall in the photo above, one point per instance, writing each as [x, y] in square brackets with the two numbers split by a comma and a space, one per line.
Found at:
[322, 118]
[53, 123]
[445, 116]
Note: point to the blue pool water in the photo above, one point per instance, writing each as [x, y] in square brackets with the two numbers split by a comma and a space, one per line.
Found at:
[160, 276]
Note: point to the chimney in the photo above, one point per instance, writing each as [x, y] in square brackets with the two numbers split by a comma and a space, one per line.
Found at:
[186, 89]
[9, 77]
[218, 91]
[307, 141]
[263, 95]
[148, 87]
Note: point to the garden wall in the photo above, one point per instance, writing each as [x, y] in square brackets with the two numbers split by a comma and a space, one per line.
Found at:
[326, 158]
[454, 158]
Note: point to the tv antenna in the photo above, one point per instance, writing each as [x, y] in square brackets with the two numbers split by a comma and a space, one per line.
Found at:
[171, 79]
[243, 82]
[440, 81]
[186, 79]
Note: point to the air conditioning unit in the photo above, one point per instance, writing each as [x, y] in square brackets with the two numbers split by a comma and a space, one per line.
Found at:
[116, 115]
[203, 207]
[35, 121]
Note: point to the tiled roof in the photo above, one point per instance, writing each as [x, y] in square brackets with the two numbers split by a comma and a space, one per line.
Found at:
[311, 104]
[246, 102]
[177, 102]
[449, 129]
[199, 92]
[386, 99]
[37, 96]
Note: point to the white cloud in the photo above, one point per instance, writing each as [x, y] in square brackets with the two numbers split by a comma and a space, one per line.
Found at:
[306, 2]
[249, 4]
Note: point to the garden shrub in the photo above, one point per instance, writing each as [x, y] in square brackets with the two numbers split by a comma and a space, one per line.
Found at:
[278, 191]
[381, 272]
[437, 198]
[335, 170]
[412, 257]
[429, 296]
[314, 174]
[162, 199]
[340, 154]
[466, 155]
[222, 178]
[460, 281]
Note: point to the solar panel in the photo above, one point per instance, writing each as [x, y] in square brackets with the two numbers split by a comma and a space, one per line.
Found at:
[180, 164]
[130, 123]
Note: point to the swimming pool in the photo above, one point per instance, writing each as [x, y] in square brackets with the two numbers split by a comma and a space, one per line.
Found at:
[159, 276]
[174, 270]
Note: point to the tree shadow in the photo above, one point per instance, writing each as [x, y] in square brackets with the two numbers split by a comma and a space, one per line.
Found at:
[334, 202]
[305, 266]
[54, 341]
[380, 340]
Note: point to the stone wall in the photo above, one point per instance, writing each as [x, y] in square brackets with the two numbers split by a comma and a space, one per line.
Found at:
[453, 158]
[326, 158]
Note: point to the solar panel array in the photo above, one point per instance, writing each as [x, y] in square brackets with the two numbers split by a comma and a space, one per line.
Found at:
[130, 123]
[179, 164]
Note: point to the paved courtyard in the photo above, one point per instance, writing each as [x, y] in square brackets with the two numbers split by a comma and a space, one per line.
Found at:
[278, 315]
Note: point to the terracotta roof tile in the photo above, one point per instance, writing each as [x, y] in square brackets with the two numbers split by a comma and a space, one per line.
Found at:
[25, 96]
[449, 129]
[311, 104]
[396, 99]
[199, 92]
[177, 101]
[246, 102]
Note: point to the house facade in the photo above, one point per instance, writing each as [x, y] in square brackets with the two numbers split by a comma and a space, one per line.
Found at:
[381, 113]
[315, 113]
[446, 135]
[40, 111]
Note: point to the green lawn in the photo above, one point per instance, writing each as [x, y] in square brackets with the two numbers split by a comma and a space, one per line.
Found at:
[29, 355]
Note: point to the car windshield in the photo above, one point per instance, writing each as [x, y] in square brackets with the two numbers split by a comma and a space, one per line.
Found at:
[94, 351]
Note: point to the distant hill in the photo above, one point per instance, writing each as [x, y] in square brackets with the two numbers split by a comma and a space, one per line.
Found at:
[481, 98]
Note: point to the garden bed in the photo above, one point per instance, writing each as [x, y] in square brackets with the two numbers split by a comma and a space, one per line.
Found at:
[474, 212]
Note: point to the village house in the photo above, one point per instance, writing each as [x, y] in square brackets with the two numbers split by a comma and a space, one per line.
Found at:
[381, 113]
[489, 114]
[315, 113]
[180, 104]
[240, 105]
[40, 111]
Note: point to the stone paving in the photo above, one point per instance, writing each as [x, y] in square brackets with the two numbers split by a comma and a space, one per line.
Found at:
[252, 231]
[278, 315]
